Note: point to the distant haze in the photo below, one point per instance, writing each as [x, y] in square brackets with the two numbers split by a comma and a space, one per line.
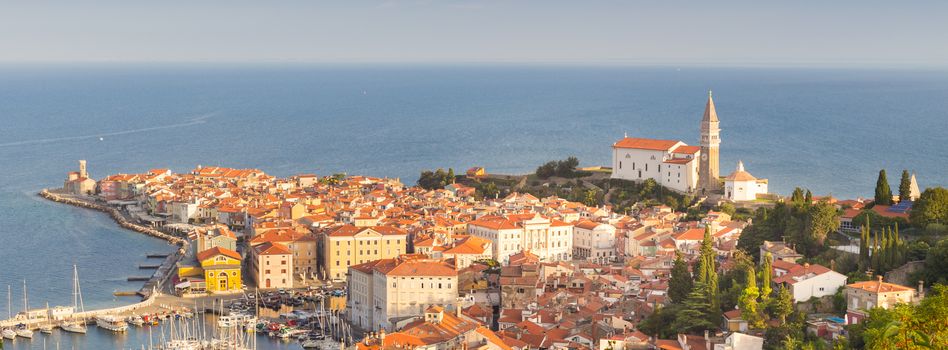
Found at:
[799, 33]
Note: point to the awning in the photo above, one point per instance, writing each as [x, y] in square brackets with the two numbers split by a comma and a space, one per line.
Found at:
[184, 284]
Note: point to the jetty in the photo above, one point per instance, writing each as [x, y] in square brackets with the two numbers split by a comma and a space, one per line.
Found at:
[163, 271]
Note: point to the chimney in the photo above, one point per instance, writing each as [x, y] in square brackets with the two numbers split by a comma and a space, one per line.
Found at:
[707, 340]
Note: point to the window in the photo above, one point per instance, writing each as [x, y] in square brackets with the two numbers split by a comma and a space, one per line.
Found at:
[620, 165]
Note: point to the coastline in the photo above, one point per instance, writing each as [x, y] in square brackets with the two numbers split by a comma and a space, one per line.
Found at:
[156, 282]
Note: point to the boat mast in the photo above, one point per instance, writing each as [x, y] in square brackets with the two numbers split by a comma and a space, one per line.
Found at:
[9, 303]
[26, 304]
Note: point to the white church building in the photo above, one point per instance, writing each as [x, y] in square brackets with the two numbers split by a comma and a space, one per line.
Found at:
[672, 164]
[742, 186]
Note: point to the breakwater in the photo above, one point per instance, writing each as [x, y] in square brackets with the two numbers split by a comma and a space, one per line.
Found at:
[164, 271]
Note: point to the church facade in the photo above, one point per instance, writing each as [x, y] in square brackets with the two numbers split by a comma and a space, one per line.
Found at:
[672, 163]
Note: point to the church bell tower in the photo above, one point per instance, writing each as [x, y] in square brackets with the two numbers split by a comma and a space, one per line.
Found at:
[708, 171]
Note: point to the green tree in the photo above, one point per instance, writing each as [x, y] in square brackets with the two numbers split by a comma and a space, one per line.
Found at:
[727, 208]
[747, 303]
[766, 269]
[910, 327]
[797, 196]
[930, 208]
[707, 268]
[905, 186]
[808, 198]
[681, 282]
[883, 192]
[451, 178]
[696, 313]
[783, 304]
[490, 190]
[864, 261]
[821, 219]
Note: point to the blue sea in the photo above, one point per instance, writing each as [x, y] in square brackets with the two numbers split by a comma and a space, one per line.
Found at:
[829, 130]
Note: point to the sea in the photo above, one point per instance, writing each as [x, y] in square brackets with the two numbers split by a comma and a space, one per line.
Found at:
[828, 130]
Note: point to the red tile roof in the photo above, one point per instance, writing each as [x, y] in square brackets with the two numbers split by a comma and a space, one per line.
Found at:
[649, 144]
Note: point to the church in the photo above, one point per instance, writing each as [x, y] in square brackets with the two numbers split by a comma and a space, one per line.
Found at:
[684, 168]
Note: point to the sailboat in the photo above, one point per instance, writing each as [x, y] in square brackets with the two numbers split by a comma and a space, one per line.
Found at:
[46, 327]
[7, 332]
[76, 326]
[24, 330]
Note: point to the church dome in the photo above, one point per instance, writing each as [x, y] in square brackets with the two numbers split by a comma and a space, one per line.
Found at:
[740, 174]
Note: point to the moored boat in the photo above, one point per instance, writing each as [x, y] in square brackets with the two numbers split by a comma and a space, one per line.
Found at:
[111, 323]
[24, 331]
[74, 327]
[8, 333]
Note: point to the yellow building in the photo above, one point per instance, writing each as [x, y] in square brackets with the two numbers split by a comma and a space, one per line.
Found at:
[350, 245]
[221, 269]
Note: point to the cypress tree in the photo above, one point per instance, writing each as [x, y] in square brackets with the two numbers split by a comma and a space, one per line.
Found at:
[681, 282]
[750, 311]
[864, 246]
[765, 277]
[875, 251]
[883, 192]
[708, 273]
[885, 251]
[905, 186]
[808, 198]
[696, 313]
[797, 196]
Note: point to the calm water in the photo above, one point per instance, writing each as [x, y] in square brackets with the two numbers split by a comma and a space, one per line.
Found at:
[829, 130]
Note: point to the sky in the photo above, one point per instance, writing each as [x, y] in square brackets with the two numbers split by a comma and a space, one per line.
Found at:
[744, 33]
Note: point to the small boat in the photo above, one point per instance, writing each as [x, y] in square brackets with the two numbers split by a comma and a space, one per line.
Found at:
[46, 329]
[8, 333]
[24, 331]
[136, 320]
[74, 327]
[111, 323]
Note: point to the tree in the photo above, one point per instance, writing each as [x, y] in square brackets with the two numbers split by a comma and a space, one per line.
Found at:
[883, 192]
[681, 282]
[783, 304]
[546, 170]
[864, 261]
[808, 198]
[909, 327]
[451, 177]
[696, 313]
[821, 219]
[707, 268]
[747, 303]
[905, 186]
[766, 269]
[797, 196]
[930, 208]
[490, 190]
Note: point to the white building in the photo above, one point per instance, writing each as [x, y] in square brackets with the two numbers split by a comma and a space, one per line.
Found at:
[672, 164]
[808, 281]
[594, 241]
[469, 250]
[272, 266]
[742, 186]
[551, 240]
[383, 291]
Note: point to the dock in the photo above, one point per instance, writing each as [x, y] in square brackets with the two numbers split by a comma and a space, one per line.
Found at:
[138, 278]
[156, 256]
[148, 267]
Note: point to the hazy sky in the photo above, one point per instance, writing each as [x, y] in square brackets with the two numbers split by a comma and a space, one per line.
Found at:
[824, 32]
